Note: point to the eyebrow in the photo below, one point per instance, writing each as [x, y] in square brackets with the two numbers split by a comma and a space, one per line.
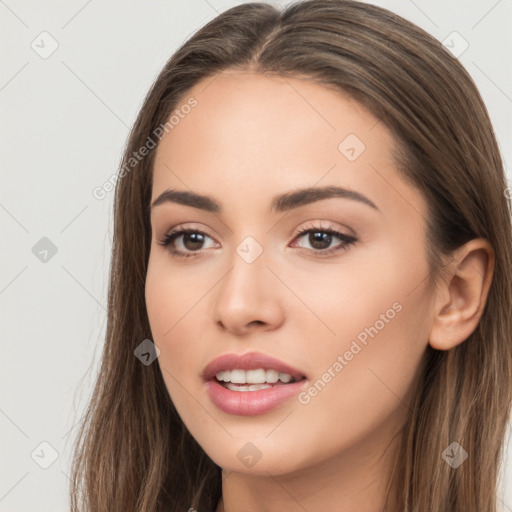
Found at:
[280, 203]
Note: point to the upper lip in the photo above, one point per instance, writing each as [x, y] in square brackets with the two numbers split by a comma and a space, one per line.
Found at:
[248, 361]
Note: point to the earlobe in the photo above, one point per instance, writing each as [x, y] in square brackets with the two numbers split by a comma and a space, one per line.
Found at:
[462, 295]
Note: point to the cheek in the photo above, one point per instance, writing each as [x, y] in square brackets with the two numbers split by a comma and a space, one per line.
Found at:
[165, 306]
[366, 297]
[171, 295]
[366, 371]
[173, 303]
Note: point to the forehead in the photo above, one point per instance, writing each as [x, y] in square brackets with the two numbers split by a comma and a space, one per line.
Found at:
[258, 134]
[244, 106]
[249, 107]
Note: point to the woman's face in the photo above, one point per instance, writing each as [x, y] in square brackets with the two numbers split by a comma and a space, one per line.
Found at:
[332, 286]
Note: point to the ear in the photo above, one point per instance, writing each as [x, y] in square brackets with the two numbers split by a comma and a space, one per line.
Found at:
[462, 294]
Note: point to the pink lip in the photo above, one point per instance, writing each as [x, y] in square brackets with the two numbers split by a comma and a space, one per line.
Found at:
[250, 403]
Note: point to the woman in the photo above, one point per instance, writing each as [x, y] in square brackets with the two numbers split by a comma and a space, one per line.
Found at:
[311, 277]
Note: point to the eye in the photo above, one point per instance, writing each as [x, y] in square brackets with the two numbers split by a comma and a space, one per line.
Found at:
[191, 240]
[320, 240]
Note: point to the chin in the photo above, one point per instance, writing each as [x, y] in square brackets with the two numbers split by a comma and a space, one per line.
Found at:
[257, 457]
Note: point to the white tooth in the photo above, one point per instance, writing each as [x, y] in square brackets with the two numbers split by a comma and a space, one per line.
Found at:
[272, 376]
[255, 376]
[285, 377]
[237, 376]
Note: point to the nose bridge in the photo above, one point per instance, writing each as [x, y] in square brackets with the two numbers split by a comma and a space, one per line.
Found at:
[248, 272]
[247, 293]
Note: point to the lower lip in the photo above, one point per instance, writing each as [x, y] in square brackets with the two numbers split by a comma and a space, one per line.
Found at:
[251, 403]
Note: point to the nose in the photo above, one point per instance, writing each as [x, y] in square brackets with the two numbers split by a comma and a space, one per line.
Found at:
[248, 298]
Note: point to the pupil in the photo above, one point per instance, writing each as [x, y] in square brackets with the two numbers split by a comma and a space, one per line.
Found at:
[324, 239]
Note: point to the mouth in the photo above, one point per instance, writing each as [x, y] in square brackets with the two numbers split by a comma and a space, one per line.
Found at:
[252, 383]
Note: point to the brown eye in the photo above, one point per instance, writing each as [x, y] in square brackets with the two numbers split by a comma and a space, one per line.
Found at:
[320, 239]
[192, 241]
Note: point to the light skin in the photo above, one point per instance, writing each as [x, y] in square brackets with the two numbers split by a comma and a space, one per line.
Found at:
[252, 137]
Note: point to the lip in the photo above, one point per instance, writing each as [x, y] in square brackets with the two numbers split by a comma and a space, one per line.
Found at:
[250, 403]
[248, 361]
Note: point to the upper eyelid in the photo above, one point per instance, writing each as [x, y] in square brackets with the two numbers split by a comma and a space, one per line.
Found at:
[304, 228]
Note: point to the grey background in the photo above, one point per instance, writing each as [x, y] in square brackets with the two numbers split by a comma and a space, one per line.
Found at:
[64, 121]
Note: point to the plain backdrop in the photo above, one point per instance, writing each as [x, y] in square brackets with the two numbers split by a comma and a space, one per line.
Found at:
[73, 78]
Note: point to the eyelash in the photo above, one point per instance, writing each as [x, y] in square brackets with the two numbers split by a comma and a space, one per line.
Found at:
[346, 241]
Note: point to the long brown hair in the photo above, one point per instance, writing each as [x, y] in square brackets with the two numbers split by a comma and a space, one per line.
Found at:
[133, 452]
